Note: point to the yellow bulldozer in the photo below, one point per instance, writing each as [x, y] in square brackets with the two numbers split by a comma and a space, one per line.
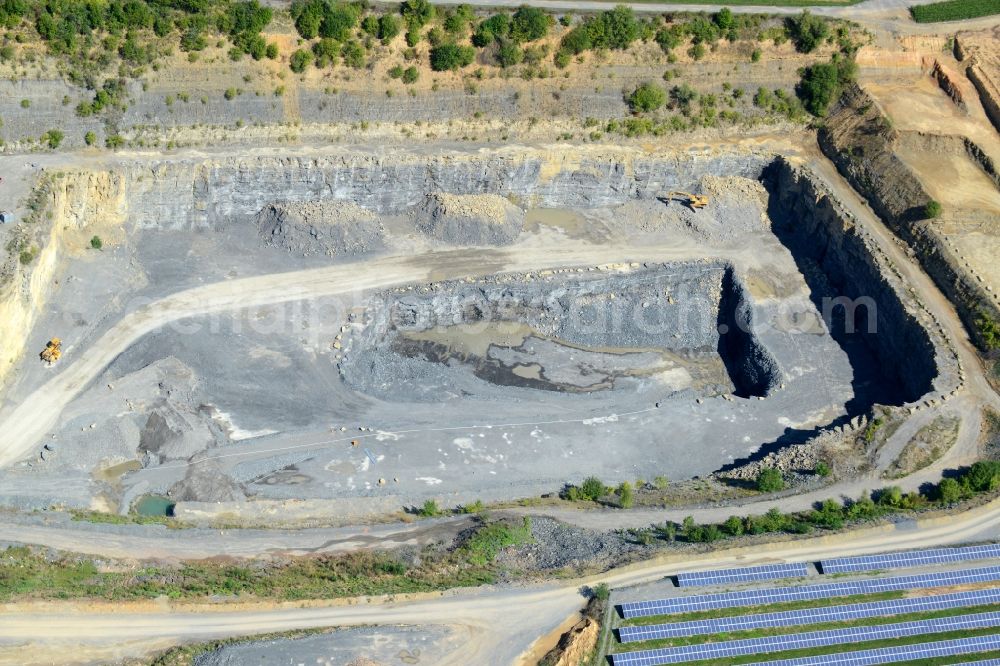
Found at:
[696, 201]
[52, 351]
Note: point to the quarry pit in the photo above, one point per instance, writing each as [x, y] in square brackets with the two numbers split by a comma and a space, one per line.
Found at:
[349, 333]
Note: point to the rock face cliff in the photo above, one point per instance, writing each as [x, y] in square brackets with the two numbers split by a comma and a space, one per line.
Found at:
[209, 194]
[66, 209]
[861, 142]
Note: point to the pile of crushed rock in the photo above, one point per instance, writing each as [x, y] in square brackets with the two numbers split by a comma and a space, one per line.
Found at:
[470, 219]
[320, 227]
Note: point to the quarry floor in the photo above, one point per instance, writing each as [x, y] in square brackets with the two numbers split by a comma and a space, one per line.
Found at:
[292, 428]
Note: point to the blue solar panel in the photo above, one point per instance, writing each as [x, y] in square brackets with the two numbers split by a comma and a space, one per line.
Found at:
[792, 618]
[809, 639]
[914, 558]
[743, 574]
[806, 592]
[899, 653]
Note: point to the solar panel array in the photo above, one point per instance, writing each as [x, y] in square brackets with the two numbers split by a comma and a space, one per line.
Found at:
[743, 574]
[759, 597]
[914, 558]
[631, 634]
[896, 654]
[809, 639]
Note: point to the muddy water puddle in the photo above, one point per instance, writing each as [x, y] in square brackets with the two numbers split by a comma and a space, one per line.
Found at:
[571, 222]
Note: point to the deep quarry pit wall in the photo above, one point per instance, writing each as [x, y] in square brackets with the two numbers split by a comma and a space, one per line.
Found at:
[838, 261]
[181, 195]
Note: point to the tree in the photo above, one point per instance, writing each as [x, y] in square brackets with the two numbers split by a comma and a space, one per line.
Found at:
[417, 13]
[601, 591]
[724, 19]
[613, 29]
[949, 491]
[492, 29]
[647, 97]
[388, 27]
[932, 209]
[450, 57]
[96, 243]
[807, 31]
[769, 480]
[818, 87]
[983, 476]
[734, 525]
[529, 23]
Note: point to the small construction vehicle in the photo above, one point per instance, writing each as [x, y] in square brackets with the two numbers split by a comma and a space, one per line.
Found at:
[695, 201]
[52, 351]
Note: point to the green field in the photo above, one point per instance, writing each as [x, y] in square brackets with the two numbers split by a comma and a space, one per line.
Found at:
[954, 10]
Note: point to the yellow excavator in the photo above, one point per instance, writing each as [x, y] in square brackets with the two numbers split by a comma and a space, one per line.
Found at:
[696, 201]
[52, 351]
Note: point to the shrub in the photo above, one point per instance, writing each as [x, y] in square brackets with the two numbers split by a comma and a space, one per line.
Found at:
[299, 61]
[769, 480]
[601, 591]
[647, 97]
[613, 29]
[755, 56]
[271, 52]
[625, 495]
[96, 243]
[822, 469]
[410, 75]
[475, 507]
[429, 509]
[230, 93]
[89, 138]
[509, 54]
[450, 57]
[25, 103]
[487, 542]
[724, 19]
[734, 525]
[932, 209]
[593, 488]
[53, 137]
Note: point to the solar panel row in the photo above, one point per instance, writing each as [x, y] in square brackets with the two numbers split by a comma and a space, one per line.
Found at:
[896, 654]
[809, 639]
[910, 559]
[759, 597]
[720, 625]
[743, 574]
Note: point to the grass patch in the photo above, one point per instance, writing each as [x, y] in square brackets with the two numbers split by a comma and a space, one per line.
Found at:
[954, 10]
[767, 608]
[88, 516]
[27, 573]
[795, 629]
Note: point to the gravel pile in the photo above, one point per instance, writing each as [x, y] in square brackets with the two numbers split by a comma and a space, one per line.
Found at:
[471, 219]
[558, 545]
[320, 227]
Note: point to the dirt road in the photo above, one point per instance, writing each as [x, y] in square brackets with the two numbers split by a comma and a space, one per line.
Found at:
[501, 624]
